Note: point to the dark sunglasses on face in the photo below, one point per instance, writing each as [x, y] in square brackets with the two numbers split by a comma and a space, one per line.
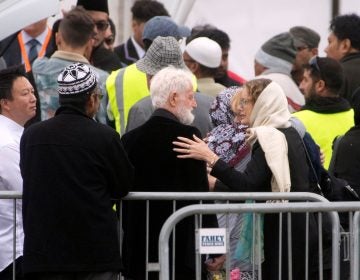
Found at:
[109, 40]
[102, 25]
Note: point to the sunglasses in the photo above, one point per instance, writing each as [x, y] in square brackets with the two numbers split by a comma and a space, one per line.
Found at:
[102, 25]
[109, 40]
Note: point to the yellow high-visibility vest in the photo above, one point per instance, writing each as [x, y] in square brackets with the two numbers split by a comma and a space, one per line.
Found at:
[125, 87]
[325, 127]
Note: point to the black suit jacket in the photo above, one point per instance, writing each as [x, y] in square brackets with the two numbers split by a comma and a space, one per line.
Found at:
[157, 169]
[10, 50]
[127, 53]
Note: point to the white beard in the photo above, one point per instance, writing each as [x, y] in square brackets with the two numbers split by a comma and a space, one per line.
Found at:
[185, 116]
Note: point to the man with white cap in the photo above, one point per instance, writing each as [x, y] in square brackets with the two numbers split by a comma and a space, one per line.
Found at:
[72, 168]
[275, 60]
[203, 57]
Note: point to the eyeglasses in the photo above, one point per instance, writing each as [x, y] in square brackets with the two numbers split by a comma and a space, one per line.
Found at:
[98, 93]
[299, 49]
[102, 25]
[244, 102]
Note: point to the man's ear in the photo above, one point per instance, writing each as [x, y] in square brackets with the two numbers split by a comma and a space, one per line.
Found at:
[4, 105]
[320, 86]
[314, 51]
[194, 67]
[172, 99]
[345, 46]
[58, 39]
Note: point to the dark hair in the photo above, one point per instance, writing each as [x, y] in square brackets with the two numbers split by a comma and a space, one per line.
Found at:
[7, 78]
[52, 43]
[347, 27]
[212, 33]
[143, 10]
[147, 44]
[329, 70]
[207, 71]
[75, 100]
[112, 27]
[77, 27]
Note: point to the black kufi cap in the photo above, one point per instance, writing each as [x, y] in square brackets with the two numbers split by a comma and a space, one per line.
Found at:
[94, 5]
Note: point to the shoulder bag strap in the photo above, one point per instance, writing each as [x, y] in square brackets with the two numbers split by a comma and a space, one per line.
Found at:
[334, 153]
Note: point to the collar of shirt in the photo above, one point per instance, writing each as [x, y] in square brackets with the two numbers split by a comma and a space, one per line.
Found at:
[140, 51]
[41, 39]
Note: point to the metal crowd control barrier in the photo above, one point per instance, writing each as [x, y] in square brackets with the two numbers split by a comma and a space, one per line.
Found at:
[163, 266]
[269, 208]
[227, 196]
[12, 195]
[355, 246]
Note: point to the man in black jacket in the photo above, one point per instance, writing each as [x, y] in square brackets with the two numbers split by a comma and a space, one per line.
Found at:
[157, 169]
[72, 168]
[133, 49]
[344, 46]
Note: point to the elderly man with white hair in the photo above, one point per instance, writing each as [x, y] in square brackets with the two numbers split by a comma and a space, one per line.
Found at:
[157, 169]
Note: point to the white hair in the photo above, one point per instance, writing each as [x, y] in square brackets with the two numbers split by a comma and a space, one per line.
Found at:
[166, 81]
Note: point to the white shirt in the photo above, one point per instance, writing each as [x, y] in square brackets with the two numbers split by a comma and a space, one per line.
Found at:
[139, 50]
[10, 180]
[41, 39]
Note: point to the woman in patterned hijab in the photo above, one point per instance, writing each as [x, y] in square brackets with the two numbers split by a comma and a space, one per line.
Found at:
[227, 139]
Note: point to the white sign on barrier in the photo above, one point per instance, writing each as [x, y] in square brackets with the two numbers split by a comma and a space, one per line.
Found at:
[212, 240]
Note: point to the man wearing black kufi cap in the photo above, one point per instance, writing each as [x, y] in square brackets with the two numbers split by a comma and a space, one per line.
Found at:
[72, 169]
[101, 57]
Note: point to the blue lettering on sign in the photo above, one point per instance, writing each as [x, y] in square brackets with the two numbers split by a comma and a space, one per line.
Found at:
[212, 240]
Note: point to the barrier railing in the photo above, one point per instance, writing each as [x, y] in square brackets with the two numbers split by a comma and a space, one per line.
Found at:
[227, 196]
[255, 208]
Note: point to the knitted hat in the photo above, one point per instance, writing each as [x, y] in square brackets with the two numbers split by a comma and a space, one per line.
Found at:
[305, 37]
[204, 51]
[94, 5]
[163, 51]
[76, 78]
[163, 26]
[279, 53]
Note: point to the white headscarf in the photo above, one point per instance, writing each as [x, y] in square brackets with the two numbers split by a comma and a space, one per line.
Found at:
[269, 113]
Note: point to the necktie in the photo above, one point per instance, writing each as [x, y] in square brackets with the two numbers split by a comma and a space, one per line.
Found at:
[33, 53]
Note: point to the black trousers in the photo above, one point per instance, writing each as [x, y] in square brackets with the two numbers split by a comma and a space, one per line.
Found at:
[7, 273]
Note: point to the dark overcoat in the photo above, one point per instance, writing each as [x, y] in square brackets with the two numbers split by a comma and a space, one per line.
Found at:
[157, 169]
[72, 168]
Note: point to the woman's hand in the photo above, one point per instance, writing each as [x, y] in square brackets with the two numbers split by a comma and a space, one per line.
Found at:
[196, 149]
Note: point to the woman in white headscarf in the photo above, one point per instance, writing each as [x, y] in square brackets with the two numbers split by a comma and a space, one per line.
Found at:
[278, 164]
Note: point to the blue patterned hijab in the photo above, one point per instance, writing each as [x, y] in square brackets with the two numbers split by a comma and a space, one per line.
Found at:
[227, 139]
